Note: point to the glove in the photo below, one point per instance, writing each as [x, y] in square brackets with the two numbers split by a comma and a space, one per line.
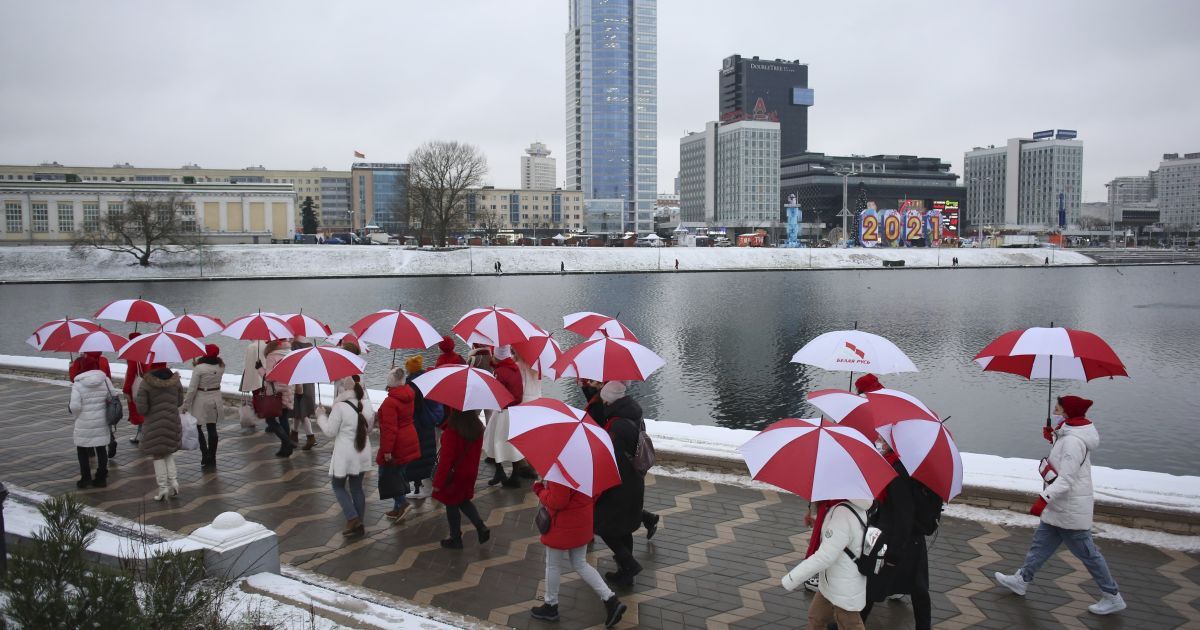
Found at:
[1048, 433]
[1038, 506]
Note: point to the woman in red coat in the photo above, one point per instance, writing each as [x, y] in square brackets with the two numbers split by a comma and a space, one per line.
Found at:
[454, 481]
[569, 534]
[398, 443]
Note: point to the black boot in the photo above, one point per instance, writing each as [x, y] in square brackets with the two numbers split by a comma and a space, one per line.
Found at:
[212, 446]
[613, 609]
[285, 445]
[498, 476]
[203, 447]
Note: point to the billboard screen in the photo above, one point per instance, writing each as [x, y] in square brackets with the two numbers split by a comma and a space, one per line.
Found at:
[1066, 134]
[1043, 135]
[802, 96]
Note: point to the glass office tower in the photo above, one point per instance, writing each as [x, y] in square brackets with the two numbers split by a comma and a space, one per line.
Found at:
[612, 107]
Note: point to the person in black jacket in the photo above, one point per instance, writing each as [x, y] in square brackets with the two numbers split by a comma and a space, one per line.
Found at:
[618, 510]
[594, 407]
[427, 415]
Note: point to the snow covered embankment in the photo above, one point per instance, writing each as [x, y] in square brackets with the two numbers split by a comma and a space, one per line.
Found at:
[56, 263]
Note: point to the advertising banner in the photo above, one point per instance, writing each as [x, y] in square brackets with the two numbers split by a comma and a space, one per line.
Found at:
[868, 228]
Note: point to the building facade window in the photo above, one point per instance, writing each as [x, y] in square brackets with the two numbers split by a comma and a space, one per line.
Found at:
[13, 221]
[91, 216]
[41, 216]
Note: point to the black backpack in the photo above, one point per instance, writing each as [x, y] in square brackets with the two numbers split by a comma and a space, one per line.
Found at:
[927, 508]
[870, 561]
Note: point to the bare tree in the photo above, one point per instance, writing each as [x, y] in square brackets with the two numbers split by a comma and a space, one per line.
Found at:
[440, 173]
[145, 226]
[1092, 223]
[489, 221]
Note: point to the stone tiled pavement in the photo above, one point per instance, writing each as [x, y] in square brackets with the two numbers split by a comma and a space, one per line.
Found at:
[715, 563]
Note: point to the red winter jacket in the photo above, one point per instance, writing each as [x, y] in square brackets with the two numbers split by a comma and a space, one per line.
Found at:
[509, 376]
[570, 515]
[449, 358]
[397, 435]
[76, 366]
[458, 466]
[132, 372]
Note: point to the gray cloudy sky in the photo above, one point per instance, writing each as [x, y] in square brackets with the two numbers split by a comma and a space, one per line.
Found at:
[298, 84]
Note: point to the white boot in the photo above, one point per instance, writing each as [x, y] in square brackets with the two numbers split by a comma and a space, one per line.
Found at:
[426, 489]
[1015, 582]
[172, 478]
[160, 476]
[1108, 604]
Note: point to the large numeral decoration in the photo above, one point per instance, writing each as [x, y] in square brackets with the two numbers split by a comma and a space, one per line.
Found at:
[868, 228]
[914, 229]
[933, 227]
[893, 228]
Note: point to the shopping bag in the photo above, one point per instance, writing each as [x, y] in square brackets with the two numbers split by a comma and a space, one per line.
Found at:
[189, 439]
[392, 483]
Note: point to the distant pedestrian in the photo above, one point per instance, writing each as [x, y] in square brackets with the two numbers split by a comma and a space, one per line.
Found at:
[454, 482]
[562, 267]
[159, 397]
[89, 396]
[398, 444]
[1065, 506]
[676, 264]
[1047, 263]
[205, 403]
[348, 425]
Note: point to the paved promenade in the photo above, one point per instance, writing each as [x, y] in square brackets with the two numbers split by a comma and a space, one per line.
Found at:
[715, 562]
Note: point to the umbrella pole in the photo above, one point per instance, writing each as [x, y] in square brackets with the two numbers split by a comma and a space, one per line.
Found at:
[850, 385]
[1049, 385]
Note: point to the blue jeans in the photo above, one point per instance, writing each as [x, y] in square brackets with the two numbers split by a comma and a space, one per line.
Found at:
[1047, 538]
[353, 502]
[399, 502]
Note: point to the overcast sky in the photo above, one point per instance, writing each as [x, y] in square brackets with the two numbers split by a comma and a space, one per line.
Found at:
[298, 84]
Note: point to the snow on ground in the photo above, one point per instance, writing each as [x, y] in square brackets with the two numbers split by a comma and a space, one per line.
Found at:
[249, 261]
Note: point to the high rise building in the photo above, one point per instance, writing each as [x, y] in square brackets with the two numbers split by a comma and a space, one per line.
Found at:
[1024, 183]
[698, 177]
[612, 111]
[748, 174]
[1178, 189]
[537, 168]
[1132, 195]
[379, 193]
[780, 85]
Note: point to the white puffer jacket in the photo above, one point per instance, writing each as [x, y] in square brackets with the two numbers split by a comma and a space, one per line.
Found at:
[1069, 500]
[841, 583]
[340, 426]
[88, 395]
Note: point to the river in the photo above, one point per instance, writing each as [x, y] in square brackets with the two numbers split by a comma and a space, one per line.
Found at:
[728, 337]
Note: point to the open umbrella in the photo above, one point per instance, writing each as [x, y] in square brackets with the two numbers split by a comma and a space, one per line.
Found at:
[607, 359]
[541, 353]
[868, 412]
[1051, 353]
[49, 336]
[319, 364]
[928, 453]
[396, 329]
[564, 445]
[304, 326]
[338, 337]
[194, 325]
[854, 351]
[138, 310]
[161, 347]
[587, 323]
[95, 341]
[817, 460]
[463, 387]
[258, 327]
[495, 326]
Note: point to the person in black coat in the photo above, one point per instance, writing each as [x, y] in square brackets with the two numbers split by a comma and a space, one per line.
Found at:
[594, 407]
[618, 510]
[426, 417]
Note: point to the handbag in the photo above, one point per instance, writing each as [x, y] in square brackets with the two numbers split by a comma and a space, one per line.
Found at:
[189, 439]
[392, 483]
[267, 405]
[543, 520]
[643, 456]
[113, 409]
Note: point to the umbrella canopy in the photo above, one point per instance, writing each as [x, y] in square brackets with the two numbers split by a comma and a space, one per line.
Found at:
[607, 359]
[564, 445]
[337, 339]
[396, 329]
[1051, 353]
[302, 325]
[198, 326]
[49, 336]
[463, 387]
[929, 453]
[588, 324]
[872, 410]
[495, 326]
[319, 364]
[541, 353]
[854, 351]
[162, 347]
[258, 327]
[138, 310]
[95, 341]
[817, 460]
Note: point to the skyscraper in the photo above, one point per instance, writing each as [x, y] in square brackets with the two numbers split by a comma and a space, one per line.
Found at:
[537, 168]
[612, 108]
[1026, 181]
[780, 85]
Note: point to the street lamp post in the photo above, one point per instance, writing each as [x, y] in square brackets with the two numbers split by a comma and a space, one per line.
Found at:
[845, 213]
[1112, 213]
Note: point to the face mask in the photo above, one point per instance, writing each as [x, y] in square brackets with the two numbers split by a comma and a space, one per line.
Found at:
[1057, 419]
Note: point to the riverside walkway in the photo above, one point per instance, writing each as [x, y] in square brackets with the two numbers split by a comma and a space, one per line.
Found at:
[714, 563]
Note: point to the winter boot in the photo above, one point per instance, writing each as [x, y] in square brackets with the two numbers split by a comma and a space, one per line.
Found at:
[1015, 582]
[426, 489]
[354, 528]
[545, 612]
[172, 477]
[613, 609]
[452, 542]
[498, 476]
[650, 522]
[203, 441]
[416, 491]
[525, 470]
[212, 446]
[514, 478]
[310, 442]
[294, 437]
[160, 476]
[1108, 604]
[285, 444]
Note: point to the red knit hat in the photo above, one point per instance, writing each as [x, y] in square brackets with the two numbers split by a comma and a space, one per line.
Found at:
[212, 351]
[1074, 406]
[446, 344]
[868, 383]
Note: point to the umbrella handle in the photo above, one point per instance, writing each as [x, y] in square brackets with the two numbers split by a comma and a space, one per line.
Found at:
[850, 385]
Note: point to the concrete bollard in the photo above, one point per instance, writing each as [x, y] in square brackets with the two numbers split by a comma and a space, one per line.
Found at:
[235, 547]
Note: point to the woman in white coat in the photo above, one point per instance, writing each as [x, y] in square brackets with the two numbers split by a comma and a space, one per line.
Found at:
[89, 395]
[843, 590]
[348, 425]
[204, 401]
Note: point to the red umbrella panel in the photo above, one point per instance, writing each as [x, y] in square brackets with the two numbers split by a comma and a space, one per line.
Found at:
[49, 336]
[339, 337]
[868, 412]
[587, 323]
[463, 387]
[496, 326]
[95, 341]
[319, 364]
[162, 347]
[817, 460]
[606, 359]
[258, 327]
[138, 310]
[564, 445]
[303, 325]
[395, 329]
[194, 325]
[541, 354]
[929, 453]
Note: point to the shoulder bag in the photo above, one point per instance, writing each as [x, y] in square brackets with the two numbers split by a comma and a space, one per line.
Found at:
[113, 409]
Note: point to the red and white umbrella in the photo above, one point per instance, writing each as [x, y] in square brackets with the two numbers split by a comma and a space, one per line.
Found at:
[138, 310]
[854, 351]
[608, 359]
[339, 337]
[319, 364]
[928, 453]
[463, 387]
[495, 326]
[49, 336]
[817, 460]
[868, 412]
[394, 329]
[541, 353]
[302, 325]
[162, 347]
[564, 445]
[587, 323]
[95, 341]
[195, 325]
[258, 327]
